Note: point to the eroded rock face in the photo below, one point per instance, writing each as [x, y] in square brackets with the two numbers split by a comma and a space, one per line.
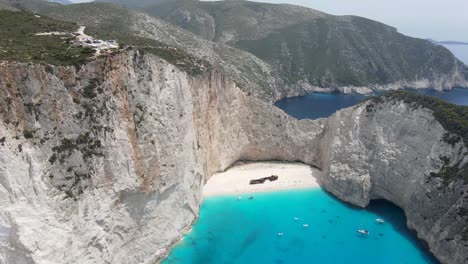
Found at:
[389, 153]
[105, 163]
[108, 171]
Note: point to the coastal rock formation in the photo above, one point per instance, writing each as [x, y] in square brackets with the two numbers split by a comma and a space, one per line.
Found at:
[104, 163]
[393, 150]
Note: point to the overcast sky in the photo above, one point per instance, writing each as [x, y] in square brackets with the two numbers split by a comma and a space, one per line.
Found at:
[436, 19]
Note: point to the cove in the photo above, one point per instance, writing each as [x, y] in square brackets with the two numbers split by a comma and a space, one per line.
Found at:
[320, 105]
[300, 226]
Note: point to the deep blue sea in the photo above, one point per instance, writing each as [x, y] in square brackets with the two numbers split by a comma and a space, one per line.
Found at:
[318, 105]
[247, 231]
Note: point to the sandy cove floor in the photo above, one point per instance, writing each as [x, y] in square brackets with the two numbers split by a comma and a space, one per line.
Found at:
[236, 180]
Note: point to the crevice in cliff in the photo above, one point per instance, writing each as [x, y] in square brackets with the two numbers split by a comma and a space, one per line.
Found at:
[133, 139]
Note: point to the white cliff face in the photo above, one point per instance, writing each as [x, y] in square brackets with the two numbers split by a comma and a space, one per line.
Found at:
[112, 178]
[389, 152]
[105, 163]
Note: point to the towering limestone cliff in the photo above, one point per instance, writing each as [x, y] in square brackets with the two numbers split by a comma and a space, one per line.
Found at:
[105, 162]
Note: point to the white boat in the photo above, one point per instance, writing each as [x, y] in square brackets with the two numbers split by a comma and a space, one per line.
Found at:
[380, 221]
[295, 218]
[280, 234]
[362, 231]
[305, 225]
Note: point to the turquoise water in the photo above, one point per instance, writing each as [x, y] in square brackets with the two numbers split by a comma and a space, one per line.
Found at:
[318, 105]
[246, 231]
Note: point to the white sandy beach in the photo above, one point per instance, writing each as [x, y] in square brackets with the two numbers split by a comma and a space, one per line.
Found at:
[236, 180]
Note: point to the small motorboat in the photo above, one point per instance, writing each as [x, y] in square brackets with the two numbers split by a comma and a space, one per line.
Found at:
[380, 221]
[305, 225]
[296, 218]
[280, 234]
[362, 231]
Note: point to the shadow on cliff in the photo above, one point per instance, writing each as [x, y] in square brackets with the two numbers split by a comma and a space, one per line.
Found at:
[394, 216]
[242, 161]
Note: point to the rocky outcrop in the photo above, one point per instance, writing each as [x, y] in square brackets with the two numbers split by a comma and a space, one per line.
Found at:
[105, 163]
[392, 153]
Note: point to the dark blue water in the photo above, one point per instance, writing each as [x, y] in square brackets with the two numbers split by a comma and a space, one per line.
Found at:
[318, 105]
[247, 231]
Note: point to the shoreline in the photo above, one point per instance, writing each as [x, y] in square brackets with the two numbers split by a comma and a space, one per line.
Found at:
[169, 248]
[236, 179]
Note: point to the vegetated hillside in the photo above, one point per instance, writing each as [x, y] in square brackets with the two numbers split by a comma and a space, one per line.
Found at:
[224, 21]
[350, 51]
[19, 41]
[307, 46]
[28, 5]
[134, 28]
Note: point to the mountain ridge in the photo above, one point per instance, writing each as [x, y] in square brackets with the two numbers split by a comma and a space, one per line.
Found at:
[312, 50]
[304, 50]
